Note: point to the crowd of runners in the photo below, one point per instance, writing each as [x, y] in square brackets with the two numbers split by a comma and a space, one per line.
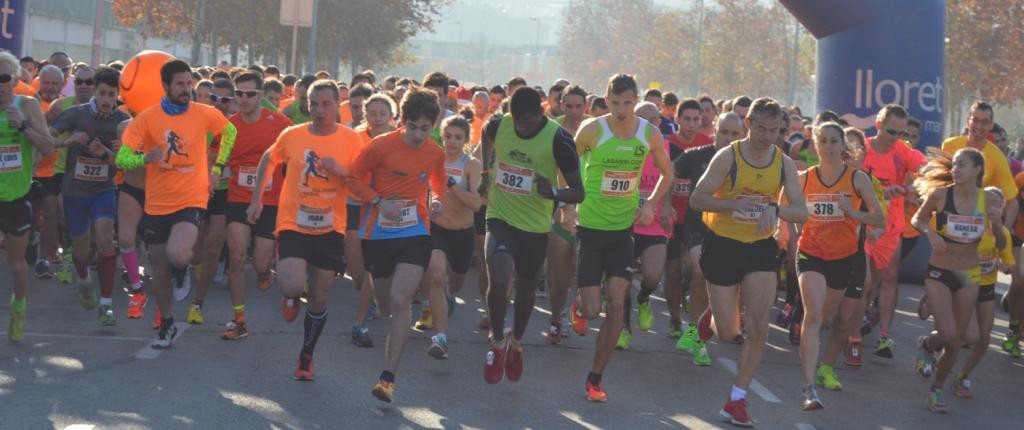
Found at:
[402, 185]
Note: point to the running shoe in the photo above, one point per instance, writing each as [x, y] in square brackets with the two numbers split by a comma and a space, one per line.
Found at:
[42, 270]
[361, 337]
[182, 283]
[925, 364]
[514, 361]
[263, 282]
[922, 308]
[579, 324]
[936, 400]
[106, 315]
[303, 368]
[235, 330]
[451, 304]
[494, 363]
[371, 314]
[625, 338]
[554, 334]
[644, 316]
[438, 347]
[290, 308]
[426, 321]
[794, 333]
[64, 274]
[195, 313]
[811, 400]
[565, 323]
[825, 376]
[485, 323]
[962, 388]
[872, 314]
[853, 357]
[700, 354]
[86, 294]
[384, 391]
[595, 393]
[735, 412]
[16, 328]
[165, 337]
[782, 320]
[675, 329]
[884, 347]
[688, 341]
[220, 277]
[1012, 344]
[136, 303]
[157, 320]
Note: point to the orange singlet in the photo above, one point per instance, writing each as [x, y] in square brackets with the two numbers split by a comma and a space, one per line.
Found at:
[828, 233]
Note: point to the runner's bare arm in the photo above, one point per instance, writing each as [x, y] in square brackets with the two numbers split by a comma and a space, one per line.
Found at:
[37, 132]
[663, 164]
[702, 198]
[469, 197]
[795, 209]
[923, 217]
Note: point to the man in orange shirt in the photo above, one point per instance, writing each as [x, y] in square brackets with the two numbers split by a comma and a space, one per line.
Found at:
[311, 214]
[171, 139]
[48, 180]
[395, 227]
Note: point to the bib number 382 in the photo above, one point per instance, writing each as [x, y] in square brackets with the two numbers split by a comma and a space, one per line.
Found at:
[514, 179]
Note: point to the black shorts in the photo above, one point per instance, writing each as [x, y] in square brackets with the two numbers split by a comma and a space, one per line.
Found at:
[217, 205]
[528, 250]
[457, 245]
[480, 220]
[725, 261]
[855, 290]
[265, 225]
[323, 251]
[602, 254]
[157, 228]
[16, 216]
[986, 293]
[838, 273]
[51, 186]
[676, 242]
[907, 246]
[134, 192]
[352, 216]
[381, 256]
[641, 242]
[953, 279]
[693, 236]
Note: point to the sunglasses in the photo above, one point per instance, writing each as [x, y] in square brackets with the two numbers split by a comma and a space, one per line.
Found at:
[5, 78]
[221, 99]
[247, 94]
[893, 132]
[89, 82]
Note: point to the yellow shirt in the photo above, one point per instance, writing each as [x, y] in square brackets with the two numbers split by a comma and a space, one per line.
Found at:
[759, 183]
[997, 169]
[987, 256]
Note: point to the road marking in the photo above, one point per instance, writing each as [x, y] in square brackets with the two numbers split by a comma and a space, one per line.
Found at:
[82, 336]
[148, 353]
[805, 426]
[755, 386]
[80, 427]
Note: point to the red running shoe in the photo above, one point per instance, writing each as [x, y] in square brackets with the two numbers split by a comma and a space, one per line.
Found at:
[595, 393]
[853, 350]
[290, 308]
[494, 363]
[514, 361]
[304, 368]
[735, 411]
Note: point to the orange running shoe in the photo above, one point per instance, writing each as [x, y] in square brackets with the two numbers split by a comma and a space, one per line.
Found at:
[579, 325]
[304, 368]
[263, 281]
[290, 308]
[595, 393]
[136, 303]
[156, 322]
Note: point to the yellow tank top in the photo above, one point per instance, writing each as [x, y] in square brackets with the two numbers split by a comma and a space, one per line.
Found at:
[745, 180]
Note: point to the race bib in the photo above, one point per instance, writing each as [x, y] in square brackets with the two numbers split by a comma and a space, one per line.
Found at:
[987, 263]
[751, 216]
[644, 195]
[10, 158]
[825, 207]
[247, 178]
[315, 219]
[91, 169]
[619, 184]
[681, 188]
[965, 228]
[454, 174]
[514, 179]
[408, 216]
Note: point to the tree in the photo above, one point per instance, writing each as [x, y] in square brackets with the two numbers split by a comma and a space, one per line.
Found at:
[169, 19]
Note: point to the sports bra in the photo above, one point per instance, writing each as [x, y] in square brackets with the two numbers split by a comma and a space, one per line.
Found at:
[961, 228]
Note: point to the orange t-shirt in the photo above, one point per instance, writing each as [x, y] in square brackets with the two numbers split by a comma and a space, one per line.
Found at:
[400, 172]
[285, 102]
[252, 141]
[181, 179]
[476, 129]
[829, 234]
[45, 166]
[23, 89]
[345, 113]
[312, 200]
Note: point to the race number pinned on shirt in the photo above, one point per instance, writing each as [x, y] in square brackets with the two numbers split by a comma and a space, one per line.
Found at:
[681, 187]
[825, 207]
[454, 174]
[644, 195]
[91, 169]
[315, 219]
[987, 263]
[965, 228]
[10, 159]
[514, 179]
[619, 184]
[407, 216]
[247, 178]
[754, 215]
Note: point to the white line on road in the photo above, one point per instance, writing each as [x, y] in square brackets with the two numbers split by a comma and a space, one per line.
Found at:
[81, 336]
[805, 426]
[148, 353]
[761, 391]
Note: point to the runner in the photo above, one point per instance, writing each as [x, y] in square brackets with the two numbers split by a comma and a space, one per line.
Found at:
[554, 109]
[394, 224]
[90, 204]
[708, 114]
[48, 181]
[1013, 300]
[257, 127]
[131, 199]
[25, 132]
[497, 95]
[173, 137]
[357, 96]
[272, 93]
[963, 211]
[691, 166]
[452, 233]
[481, 103]
[527, 149]
[311, 214]
[829, 261]
[298, 110]
[739, 257]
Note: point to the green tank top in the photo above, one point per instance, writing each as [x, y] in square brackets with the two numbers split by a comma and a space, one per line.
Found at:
[295, 114]
[62, 153]
[513, 195]
[611, 173]
[16, 159]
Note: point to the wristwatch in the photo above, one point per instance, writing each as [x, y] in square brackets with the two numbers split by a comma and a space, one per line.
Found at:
[376, 201]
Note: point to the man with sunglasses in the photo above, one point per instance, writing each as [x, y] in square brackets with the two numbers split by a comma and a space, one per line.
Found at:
[258, 127]
[212, 233]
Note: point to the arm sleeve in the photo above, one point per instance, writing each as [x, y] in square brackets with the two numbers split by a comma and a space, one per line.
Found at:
[227, 141]
[132, 142]
[564, 149]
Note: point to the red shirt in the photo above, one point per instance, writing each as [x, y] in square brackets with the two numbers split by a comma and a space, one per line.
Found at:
[681, 187]
[252, 141]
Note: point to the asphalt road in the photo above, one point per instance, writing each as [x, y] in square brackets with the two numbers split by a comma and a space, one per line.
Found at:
[70, 373]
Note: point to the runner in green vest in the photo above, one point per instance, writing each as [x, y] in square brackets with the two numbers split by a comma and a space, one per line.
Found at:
[525, 151]
[613, 149]
[298, 111]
